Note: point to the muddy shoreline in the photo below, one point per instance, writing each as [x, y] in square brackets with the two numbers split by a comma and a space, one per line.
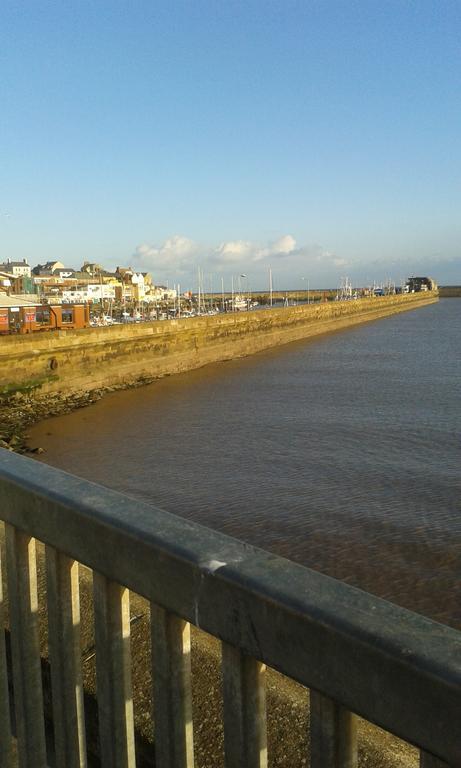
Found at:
[22, 410]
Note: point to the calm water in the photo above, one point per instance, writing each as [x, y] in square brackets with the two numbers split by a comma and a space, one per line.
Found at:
[342, 453]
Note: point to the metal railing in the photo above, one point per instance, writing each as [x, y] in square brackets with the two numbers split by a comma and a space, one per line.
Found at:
[357, 654]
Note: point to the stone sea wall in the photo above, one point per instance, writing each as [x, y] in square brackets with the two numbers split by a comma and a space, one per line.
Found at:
[72, 362]
[449, 291]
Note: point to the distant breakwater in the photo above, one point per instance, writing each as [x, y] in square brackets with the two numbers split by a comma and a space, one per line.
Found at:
[450, 291]
[82, 361]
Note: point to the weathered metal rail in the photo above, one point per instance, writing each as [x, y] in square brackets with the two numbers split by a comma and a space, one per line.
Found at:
[358, 654]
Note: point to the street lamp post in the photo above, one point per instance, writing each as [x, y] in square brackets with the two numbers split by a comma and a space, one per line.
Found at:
[247, 295]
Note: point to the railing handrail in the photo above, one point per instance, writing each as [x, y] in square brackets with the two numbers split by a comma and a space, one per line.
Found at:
[391, 666]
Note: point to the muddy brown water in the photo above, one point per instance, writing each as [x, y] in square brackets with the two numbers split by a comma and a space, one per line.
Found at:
[341, 453]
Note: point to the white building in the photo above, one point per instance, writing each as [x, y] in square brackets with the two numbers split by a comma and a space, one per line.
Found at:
[5, 281]
[16, 268]
[91, 292]
[162, 293]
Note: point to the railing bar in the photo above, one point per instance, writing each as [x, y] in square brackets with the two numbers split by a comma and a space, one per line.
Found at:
[27, 674]
[5, 715]
[245, 728]
[333, 734]
[172, 691]
[65, 659]
[113, 673]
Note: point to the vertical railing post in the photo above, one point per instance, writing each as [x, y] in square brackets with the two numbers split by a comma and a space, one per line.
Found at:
[5, 724]
[65, 659]
[113, 673]
[245, 730]
[333, 734]
[171, 677]
[27, 674]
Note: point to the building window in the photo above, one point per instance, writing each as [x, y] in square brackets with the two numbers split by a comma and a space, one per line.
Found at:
[43, 316]
[67, 316]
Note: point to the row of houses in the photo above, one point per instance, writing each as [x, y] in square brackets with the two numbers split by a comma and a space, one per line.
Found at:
[91, 283]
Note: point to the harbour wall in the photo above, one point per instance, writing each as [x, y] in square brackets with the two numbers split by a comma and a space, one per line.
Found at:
[74, 361]
[449, 291]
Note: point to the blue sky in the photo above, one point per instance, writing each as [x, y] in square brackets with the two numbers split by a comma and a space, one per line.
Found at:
[322, 139]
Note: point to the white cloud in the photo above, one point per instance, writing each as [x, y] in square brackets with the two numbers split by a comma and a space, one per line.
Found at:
[283, 245]
[179, 256]
[234, 251]
[176, 254]
[252, 252]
